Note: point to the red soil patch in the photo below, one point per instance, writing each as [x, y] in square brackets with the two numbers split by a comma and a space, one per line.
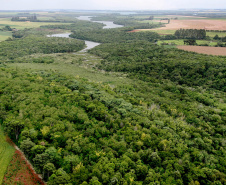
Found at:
[134, 31]
[20, 170]
[205, 50]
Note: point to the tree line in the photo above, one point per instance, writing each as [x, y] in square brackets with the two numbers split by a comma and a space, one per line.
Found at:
[190, 34]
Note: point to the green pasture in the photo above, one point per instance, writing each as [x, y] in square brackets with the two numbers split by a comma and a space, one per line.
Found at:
[6, 154]
[159, 17]
[22, 25]
[79, 65]
[180, 42]
[4, 35]
[212, 34]
[149, 21]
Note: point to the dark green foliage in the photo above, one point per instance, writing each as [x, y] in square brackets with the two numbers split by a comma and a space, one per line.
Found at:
[30, 45]
[150, 62]
[216, 37]
[114, 35]
[190, 34]
[190, 42]
[31, 31]
[75, 131]
[166, 126]
[126, 21]
[7, 28]
[32, 18]
[77, 25]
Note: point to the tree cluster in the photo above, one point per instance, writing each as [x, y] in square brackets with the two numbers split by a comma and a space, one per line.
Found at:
[114, 35]
[79, 132]
[190, 34]
[150, 62]
[10, 50]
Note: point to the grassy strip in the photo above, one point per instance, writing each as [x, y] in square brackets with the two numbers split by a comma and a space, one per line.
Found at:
[180, 42]
[4, 35]
[212, 34]
[6, 154]
[22, 25]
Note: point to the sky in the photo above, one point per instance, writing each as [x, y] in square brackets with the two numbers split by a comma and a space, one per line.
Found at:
[111, 4]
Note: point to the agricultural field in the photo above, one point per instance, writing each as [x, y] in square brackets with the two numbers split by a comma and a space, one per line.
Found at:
[27, 24]
[180, 42]
[4, 35]
[171, 32]
[205, 50]
[195, 24]
[6, 154]
[214, 33]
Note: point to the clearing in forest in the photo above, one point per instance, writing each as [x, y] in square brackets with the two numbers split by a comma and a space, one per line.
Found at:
[6, 154]
[205, 50]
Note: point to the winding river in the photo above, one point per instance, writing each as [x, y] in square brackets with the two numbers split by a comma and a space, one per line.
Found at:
[89, 44]
[108, 24]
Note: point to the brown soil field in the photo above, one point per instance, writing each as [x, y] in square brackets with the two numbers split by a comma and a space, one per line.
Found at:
[205, 50]
[195, 24]
[179, 16]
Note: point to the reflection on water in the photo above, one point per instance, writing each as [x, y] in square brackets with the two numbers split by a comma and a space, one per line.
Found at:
[89, 44]
[84, 18]
[108, 24]
[65, 35]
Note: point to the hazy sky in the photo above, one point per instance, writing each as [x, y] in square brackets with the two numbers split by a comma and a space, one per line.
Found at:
[111, 4]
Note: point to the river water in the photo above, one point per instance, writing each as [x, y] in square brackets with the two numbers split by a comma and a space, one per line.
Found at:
[108, 24]
[89, 44]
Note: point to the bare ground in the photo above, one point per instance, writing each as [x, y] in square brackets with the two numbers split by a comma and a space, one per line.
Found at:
[205, 50]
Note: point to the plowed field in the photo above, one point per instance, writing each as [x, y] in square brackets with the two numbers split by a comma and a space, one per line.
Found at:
[205, 50]
[195, 24]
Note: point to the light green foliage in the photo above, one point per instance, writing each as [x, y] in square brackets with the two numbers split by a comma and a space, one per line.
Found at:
[179, 42]
[4, 35]
[142, 114]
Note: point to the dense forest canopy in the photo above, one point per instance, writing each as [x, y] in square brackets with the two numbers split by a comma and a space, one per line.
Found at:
[190, 33]
[114, 35]
[158, 119]
[149, 62]
[33, 44]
